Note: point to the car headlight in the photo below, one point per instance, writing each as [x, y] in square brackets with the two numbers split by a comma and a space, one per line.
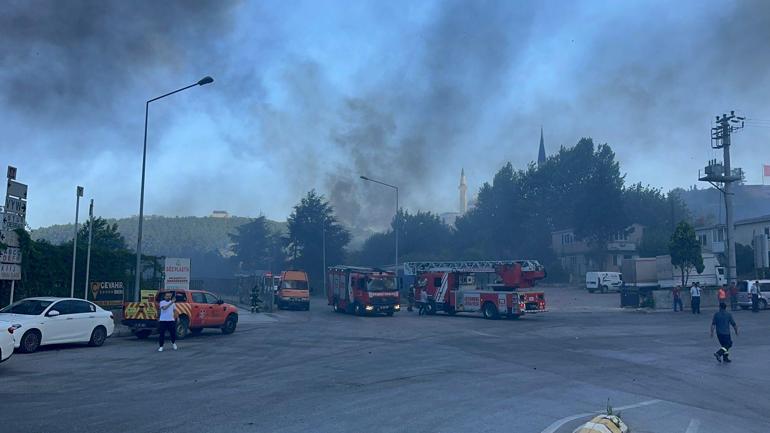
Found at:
[397, 307]
[369, 308]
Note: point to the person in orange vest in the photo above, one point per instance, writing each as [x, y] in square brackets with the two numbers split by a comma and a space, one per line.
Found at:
[722, 295]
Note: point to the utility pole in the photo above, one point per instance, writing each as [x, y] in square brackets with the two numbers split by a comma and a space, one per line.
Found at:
[720, 139]
[78, 194]
[88, 255]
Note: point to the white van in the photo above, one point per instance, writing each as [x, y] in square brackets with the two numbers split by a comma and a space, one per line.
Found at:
[604, 281]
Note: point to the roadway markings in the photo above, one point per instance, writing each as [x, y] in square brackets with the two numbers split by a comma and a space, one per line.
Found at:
[693, 427]
[558, 424]
[483, 333]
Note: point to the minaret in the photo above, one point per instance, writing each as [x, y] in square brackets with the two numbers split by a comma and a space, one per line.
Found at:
[463, 193]
[541, 153]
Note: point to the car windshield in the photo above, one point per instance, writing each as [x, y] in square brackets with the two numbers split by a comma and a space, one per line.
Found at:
[381, 285]
[29, 307]
[290, 284]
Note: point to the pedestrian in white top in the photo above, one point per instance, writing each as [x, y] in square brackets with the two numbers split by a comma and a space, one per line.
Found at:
[695, 298]
[754, 292]
[166, 320]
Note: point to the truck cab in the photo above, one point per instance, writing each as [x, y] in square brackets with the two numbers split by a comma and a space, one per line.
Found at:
[362, 291]
[293, 291]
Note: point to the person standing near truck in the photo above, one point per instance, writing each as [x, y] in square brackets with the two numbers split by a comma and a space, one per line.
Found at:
[677, 293]
[166, 320]
[721, 322]
[695, 298]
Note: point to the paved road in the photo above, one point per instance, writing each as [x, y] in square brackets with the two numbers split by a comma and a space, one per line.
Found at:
[325, 372]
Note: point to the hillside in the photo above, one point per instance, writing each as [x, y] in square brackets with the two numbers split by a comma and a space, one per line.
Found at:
[204, 239]
[706, 205]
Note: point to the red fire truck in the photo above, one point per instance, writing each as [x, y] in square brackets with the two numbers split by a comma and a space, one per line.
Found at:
[492, 287]
[362, 291]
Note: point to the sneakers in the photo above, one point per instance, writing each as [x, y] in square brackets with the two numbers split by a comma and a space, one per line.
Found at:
[160, 349]
[174, 346]
[718, 356]
[726, 359]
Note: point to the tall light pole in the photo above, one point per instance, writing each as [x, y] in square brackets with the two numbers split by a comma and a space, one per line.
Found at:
[323, 247]
[78, 194]
[395, 228]
[201, 82]
[90, 237]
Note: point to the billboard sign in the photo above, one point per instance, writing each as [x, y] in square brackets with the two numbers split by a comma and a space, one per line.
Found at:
[15, 205]
[107, 294]
[12, 221]
[10, 271]
[177, 274]
[10, 255]
[17, 189]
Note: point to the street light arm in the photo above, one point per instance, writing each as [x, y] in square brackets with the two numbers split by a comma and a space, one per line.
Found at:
[381, 183]
[171, 93]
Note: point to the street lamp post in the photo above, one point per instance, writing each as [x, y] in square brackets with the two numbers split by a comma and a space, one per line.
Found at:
[78, 194]
[323, 247]
[201, 82]
[395, 228]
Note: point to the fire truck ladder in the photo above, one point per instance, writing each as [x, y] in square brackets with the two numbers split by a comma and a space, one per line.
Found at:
[482, 266]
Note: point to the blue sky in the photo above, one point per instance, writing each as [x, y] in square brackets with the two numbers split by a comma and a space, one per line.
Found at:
[313, 94]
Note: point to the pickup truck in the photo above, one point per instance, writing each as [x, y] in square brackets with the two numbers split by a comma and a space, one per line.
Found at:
[195, 310]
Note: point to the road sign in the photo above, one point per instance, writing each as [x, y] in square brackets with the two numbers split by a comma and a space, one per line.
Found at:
[17, 189]
[177, 272]
[11, 172]
[11, 255]
[12, 221]
[15, 205]
[9, 238]
[10, 271]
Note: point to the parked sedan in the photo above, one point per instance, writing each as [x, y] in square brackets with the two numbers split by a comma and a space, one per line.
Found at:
[6, 340]
[41, 321]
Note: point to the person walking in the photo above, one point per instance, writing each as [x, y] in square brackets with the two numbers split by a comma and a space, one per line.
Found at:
[423, 302]
[754, 291]
[166, 320]
[695, 298]
[721, 323]
[722, 295]
[677, 293]
[733, 296]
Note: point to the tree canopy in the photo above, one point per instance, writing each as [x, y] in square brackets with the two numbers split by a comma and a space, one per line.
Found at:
[685, 251]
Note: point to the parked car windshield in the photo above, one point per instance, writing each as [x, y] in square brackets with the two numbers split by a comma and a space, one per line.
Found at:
[30, 307]
[381, 285]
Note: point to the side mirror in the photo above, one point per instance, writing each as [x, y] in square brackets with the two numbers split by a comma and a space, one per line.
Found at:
[220, 302]
[52, 313]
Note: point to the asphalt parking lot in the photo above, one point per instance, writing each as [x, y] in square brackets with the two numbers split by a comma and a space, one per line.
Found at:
[319, 371]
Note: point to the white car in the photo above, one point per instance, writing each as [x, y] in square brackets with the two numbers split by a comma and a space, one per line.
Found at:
[41, 321]
[6, 340]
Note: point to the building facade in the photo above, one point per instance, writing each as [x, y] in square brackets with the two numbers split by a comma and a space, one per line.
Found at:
[576, 256]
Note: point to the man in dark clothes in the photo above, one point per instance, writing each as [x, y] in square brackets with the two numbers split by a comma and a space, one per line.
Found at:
[721, 322]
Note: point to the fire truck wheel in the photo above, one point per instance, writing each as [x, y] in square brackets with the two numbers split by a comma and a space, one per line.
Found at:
[430, 308]
[490, 311]
[230, 323]
[142, 335]
[182, 328]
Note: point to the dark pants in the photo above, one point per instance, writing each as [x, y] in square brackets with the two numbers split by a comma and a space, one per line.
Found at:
[754, 302]
[423, 308]
[162, 328]
[678, 302]
[726, 342]
[733, 302]
[695, 305]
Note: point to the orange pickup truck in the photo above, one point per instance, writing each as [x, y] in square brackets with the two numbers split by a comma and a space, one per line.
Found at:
[293, 291]
[195, 310]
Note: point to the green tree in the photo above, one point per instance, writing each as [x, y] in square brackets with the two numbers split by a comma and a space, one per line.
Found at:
[685, 251]
[309, 221]
[657, 212]
[257, 247]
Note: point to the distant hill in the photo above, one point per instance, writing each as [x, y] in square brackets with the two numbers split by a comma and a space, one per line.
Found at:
[707, 206]
[204, 239]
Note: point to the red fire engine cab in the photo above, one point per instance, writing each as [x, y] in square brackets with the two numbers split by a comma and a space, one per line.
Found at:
[492, 287]
[362, 291]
